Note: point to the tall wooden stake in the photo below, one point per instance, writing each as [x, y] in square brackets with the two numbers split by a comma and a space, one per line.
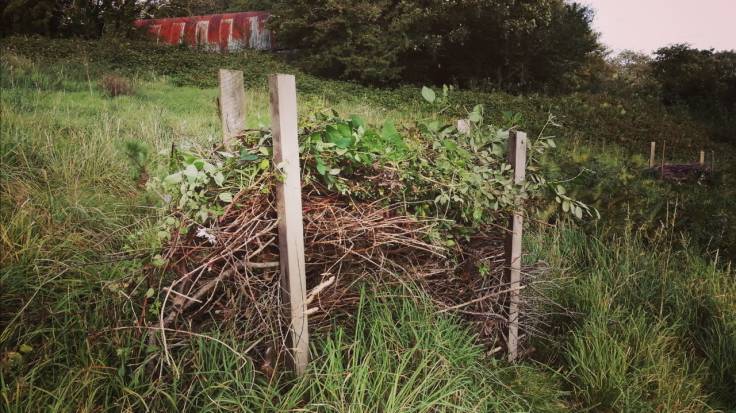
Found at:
[289, 204]
[517, 159]
[702, 158]
[652, 154]
[232, 105]
[661, 169]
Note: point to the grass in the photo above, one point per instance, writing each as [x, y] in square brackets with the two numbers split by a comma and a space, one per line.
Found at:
[650, 321]
[651, 324]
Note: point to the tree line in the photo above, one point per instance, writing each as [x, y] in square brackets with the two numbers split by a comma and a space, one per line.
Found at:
[518, 46]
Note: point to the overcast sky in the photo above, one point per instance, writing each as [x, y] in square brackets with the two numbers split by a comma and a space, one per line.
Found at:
[646, 25]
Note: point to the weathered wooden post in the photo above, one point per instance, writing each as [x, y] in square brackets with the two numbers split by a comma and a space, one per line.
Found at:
[463, 126]
[661, 169]
[232, 105]
[289, 204]
[652, 154]
[517, 159]
[702, 158]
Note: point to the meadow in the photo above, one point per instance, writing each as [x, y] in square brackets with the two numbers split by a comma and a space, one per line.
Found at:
[642, 314]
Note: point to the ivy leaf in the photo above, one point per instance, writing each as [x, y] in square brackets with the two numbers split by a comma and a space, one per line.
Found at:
[428, 94]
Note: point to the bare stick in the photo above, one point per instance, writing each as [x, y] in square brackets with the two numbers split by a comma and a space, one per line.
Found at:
[232, 105]
[517, 159]
[289, 206]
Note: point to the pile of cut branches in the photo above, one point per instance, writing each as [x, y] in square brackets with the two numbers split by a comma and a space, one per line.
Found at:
[380, 211]
[228, 272]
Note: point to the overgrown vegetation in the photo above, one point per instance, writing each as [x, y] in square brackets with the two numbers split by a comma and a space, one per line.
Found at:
[648, 322]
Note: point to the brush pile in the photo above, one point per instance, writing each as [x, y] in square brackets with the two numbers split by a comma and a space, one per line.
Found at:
[682, 172]
[415, 214]
[228, 272]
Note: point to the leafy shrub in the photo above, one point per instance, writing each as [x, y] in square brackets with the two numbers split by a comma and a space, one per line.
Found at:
[114, 85]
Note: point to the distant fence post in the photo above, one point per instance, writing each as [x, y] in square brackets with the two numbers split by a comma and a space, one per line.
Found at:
[517, 159]
[289, 205]
[232, 105]
[702, 158]
[652, 154]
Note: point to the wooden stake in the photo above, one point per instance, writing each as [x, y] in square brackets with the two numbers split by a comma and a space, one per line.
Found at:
[652, 154]
[517, 159]
[661, 169]
[232, 105]
[289, 205]
[463, 126]
[702, 158]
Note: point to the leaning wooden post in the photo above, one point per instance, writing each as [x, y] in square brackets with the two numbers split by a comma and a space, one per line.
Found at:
[652, 154]
[232, 105]
[517, 159]
[289, 205]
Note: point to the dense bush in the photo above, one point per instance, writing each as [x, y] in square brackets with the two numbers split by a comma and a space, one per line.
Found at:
[702, 80]
[514, 45]
[86, 18]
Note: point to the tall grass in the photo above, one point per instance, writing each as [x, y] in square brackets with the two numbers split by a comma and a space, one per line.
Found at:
[650, 324]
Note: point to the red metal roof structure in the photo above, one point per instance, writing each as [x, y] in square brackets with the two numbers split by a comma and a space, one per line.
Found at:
[216, 32]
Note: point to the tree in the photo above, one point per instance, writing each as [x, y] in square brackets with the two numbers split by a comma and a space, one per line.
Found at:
[512, 44]
[84, 18]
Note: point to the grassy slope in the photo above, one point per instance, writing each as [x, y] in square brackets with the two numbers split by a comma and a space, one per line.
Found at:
[652, 330]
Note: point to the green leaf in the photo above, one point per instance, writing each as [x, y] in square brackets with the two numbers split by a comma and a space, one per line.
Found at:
[25, 348]
[219, 178]
[264, 164]
[150, 292]
[337, 137]
[357, 121]
[247, 156]
[226, 197]
[173, 179]
[578, 212]
[475, 117]
[321, 167]
[335, 171]
[428, 94]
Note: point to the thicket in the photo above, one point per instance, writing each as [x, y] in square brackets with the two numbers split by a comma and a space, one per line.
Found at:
[511, 45]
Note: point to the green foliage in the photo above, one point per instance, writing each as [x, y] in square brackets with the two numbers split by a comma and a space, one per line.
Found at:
[703, 80]
[514, 45]
[83, 18]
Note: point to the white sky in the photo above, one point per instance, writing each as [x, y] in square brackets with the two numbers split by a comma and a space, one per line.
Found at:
[646, 25]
